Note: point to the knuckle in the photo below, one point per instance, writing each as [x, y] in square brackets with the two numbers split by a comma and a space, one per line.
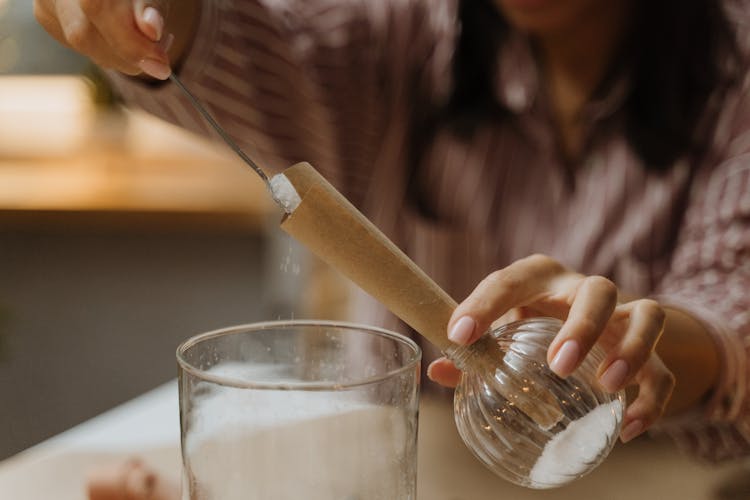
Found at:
[495, 276]
[603, 286]
[79, 34]
[586, 329]
[91, 7]
[504, 279]
[542, 261]
[539, 258]
[652, 311]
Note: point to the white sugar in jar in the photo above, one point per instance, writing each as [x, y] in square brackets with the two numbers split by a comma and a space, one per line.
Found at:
[493, 416]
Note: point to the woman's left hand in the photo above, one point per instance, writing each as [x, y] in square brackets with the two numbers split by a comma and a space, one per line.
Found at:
[627, 331]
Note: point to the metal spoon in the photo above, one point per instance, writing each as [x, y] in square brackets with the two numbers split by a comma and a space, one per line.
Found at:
[224, 135]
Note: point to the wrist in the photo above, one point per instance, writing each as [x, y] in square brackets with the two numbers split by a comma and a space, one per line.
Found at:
[689, 351]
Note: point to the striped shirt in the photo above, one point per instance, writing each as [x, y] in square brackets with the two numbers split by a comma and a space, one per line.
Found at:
[336, 82]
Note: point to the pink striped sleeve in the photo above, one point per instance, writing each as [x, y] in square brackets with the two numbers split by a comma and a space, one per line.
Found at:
[710, 279]
[257, 65]
[294, 80]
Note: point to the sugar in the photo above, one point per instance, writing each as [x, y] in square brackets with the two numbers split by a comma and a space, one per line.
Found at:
[287, 445]
[343, 455]
[284, 194]
[571, 452]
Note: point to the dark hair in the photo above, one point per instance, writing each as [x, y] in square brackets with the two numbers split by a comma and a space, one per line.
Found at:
[679, 52]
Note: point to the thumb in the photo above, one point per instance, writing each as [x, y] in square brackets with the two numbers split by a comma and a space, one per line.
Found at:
[444, 372]
[149, 17]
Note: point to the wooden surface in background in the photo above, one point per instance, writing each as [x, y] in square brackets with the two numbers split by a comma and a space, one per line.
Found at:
[60, 154]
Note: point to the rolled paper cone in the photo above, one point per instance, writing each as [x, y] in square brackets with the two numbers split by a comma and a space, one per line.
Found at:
[332, 228]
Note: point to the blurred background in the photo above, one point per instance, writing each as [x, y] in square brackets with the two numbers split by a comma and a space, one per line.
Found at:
[120, 236]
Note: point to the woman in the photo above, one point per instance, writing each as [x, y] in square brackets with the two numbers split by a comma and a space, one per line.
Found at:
[576, 158]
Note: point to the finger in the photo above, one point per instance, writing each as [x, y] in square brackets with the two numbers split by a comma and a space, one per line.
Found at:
[90, 42]
[87, 39]
[594, 301]
[516, 285]
[149, 17]
[630, 355]
[82, 36]
[444, 372]
[42, 13]
[116, 22]
[655, 384]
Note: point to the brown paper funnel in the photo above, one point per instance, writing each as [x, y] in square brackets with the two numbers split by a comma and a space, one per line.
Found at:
[332, 228]
[340, 235]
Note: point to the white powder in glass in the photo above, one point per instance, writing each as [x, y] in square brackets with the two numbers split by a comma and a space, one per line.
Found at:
[284, 193]
[571, 452]
[290, 445]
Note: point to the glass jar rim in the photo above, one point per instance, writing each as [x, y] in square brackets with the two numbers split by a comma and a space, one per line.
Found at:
[526, 322]
[415, 355]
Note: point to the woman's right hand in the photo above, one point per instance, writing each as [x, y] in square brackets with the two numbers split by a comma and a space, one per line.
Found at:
[126, 35]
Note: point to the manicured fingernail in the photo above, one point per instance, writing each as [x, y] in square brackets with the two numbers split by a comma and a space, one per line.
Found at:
[155, 68]
[566, 359]
[462, 330]
[631, 430]
[152, 17]
[613, 378]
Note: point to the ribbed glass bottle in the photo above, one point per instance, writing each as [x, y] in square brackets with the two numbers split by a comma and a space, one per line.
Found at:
[521, 420]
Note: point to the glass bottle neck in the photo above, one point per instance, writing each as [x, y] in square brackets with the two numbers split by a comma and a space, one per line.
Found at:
[475, 356]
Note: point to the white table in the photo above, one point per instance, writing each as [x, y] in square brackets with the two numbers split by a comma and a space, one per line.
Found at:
[56, 469]
[148, 426]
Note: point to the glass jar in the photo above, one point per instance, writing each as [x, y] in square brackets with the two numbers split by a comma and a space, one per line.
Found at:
[521, 420]
[286, 410]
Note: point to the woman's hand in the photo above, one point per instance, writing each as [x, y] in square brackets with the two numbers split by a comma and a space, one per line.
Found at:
[540, 286]
[127, 35]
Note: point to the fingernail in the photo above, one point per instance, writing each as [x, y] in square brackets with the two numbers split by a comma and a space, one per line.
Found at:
[151, 16]
[566, 358]
[462, 330]
[613, 378]
[431, 370]
[631, 430]
[155, 68]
